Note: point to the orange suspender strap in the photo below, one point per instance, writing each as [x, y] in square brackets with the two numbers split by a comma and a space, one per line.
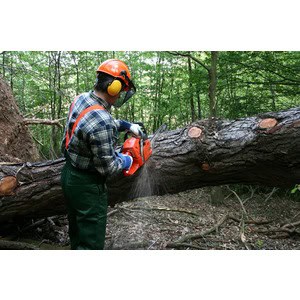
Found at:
[69, 118]
[81, 115]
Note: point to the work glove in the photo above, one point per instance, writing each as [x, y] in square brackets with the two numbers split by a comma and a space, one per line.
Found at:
[136, 130]
[126, 160]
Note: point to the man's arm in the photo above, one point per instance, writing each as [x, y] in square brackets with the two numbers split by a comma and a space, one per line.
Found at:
[123, 125]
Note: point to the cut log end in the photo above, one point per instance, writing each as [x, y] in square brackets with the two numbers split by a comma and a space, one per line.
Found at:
[194, 132]
[267, 123]
[205, 167]
[7, 185]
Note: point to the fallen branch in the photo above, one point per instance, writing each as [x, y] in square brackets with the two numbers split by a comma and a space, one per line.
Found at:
[295, 216]
[252, 194]
[165, 209]
[179, 245]
[112, 212]
[271, 194]
[198, 235]
[291, 224]
[242, 234]
[256, 222]
[272, 230]
[240, 200]
[290, 228]
[12, 245]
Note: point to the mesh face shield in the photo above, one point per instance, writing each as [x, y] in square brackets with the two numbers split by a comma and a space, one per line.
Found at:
[125, 94]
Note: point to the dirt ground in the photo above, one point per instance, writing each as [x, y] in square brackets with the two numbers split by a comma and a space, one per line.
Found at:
[244, 218]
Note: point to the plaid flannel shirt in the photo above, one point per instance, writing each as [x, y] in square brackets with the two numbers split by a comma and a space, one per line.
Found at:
[92, 147]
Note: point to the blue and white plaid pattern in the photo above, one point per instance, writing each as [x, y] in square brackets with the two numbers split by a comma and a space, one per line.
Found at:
[93, 144]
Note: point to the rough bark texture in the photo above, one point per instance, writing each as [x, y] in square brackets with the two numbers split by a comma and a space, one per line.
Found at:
[16, 141]
[216, 152]
[36, 192]
[258, 150]
[212, 74]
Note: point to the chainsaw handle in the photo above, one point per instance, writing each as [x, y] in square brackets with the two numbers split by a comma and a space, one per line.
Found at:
[144, 132]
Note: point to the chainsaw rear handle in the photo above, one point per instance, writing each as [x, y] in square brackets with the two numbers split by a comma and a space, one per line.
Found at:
[144, 132]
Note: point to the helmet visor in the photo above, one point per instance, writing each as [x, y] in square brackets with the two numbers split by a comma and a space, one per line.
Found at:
[125, 94]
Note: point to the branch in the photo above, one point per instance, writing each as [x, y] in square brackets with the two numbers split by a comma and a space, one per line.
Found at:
[12, 245]
[240, 200]
[268, 82]
[271, 194]
[291, 224]
[187, 245]
[44, 122]
[259, 68]
[252, 194]
[191, 57]
[194, 236]
[164, 209]
[255, 222]
[289, 228]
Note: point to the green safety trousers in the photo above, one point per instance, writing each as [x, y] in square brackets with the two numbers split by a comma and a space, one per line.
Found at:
[86, 199]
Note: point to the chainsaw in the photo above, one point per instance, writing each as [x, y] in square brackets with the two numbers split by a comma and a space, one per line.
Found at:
[139, 148]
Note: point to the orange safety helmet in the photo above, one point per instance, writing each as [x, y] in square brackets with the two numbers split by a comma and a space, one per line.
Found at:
[118, 70]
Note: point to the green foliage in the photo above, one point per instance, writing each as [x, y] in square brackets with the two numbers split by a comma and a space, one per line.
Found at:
[259, 244]
[168, 91]
[295, 189]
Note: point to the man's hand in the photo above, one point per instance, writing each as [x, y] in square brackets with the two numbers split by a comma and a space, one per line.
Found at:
[126, 160]
[136, 130]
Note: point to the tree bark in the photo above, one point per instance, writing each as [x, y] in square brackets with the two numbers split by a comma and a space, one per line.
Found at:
[16, 142]
[260, 150]
[191, 92]
[212, 73]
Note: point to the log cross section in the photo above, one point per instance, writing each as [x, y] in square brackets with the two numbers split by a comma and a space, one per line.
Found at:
[195, 132]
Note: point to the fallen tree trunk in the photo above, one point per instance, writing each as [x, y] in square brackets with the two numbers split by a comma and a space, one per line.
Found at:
[260, 150]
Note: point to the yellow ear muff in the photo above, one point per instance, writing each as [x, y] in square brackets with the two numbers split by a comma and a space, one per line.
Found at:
[114, 88]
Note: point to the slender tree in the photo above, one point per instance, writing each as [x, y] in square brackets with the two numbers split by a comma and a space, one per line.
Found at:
[193, 114]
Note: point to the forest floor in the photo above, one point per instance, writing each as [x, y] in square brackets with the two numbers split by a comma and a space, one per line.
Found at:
[243, 219]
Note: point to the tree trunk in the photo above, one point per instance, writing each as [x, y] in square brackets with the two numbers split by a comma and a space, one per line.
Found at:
[158, 89]
[191, 93]
[212, 73]
[16, 142]
[256, 150]
[3, 64]
[199, 105]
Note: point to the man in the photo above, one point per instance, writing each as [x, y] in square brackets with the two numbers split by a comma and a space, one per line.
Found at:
[89, 144]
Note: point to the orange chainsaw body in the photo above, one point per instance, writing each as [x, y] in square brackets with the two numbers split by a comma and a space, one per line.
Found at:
[139, 149]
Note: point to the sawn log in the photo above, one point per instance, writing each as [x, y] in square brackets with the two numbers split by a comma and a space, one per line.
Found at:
[263, 150]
